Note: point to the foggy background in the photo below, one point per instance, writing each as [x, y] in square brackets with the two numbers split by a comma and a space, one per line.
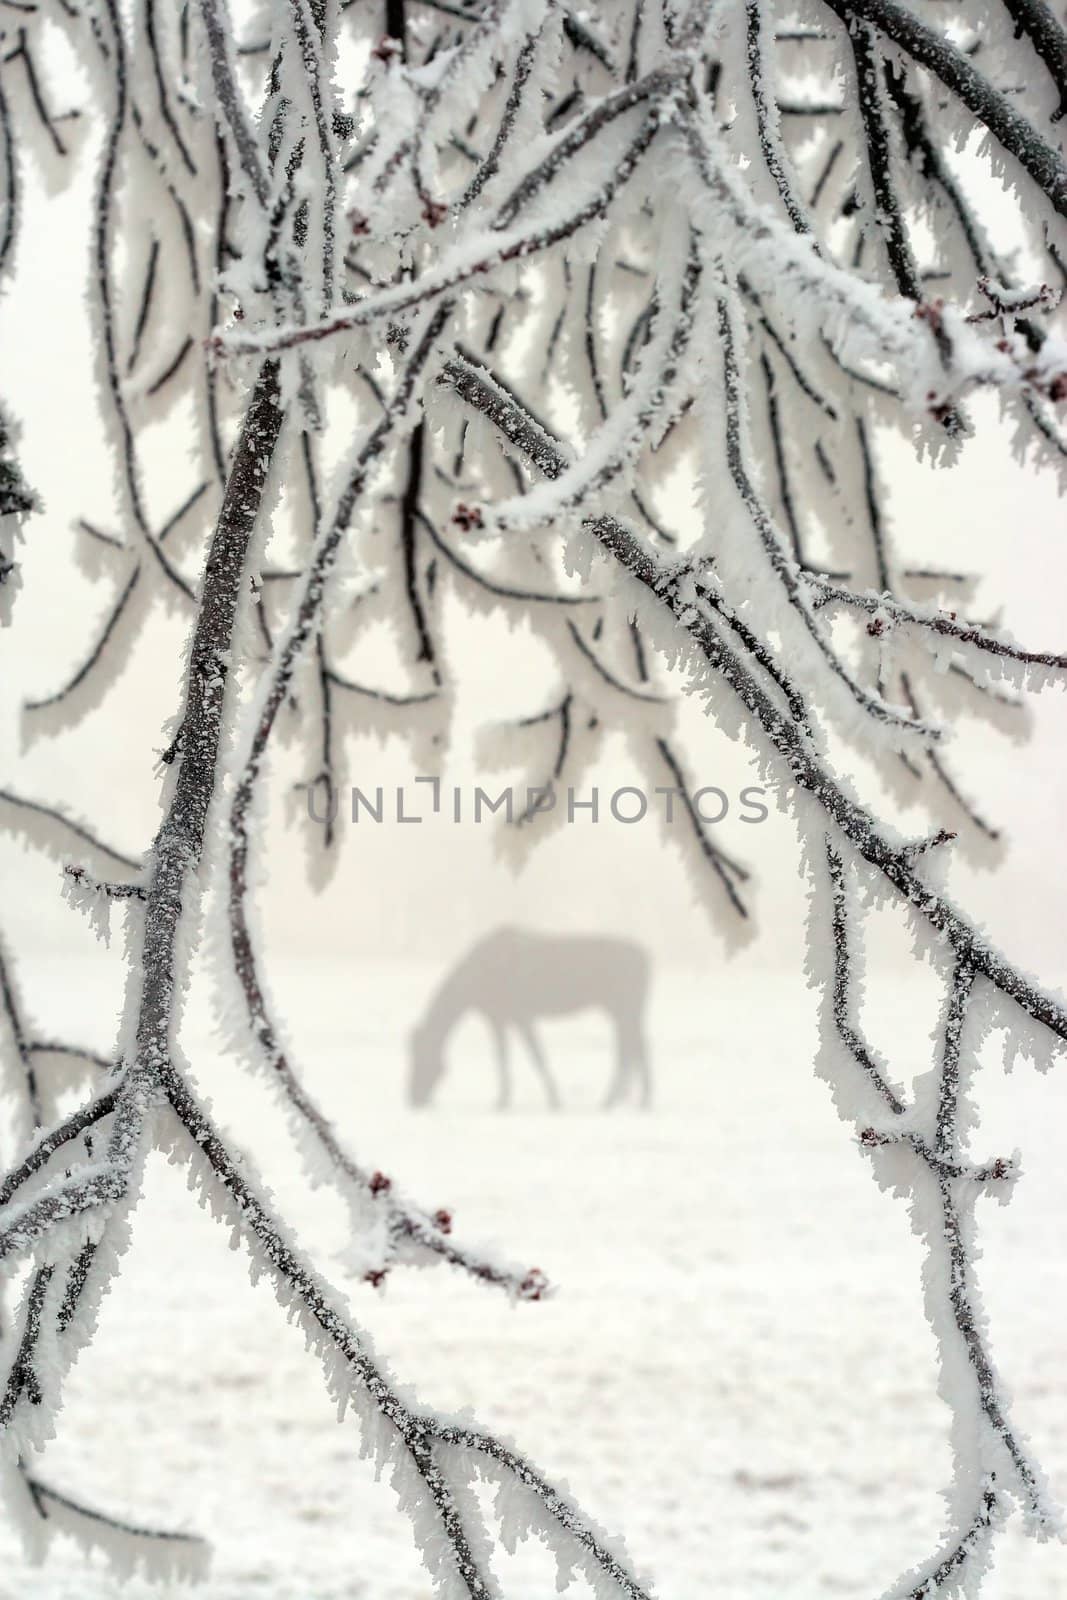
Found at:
[402, 891]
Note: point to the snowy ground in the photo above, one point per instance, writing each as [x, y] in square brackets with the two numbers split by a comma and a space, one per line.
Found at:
[736, 1372]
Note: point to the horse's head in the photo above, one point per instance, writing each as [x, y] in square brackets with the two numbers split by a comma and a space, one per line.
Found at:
[425, 1065]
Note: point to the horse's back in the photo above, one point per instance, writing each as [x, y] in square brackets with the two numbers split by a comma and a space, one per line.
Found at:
[544, 972]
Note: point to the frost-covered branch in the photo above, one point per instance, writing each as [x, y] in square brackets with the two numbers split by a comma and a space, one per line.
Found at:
[991, 1458]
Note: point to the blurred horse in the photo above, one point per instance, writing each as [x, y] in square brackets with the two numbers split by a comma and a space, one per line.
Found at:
[515, 978]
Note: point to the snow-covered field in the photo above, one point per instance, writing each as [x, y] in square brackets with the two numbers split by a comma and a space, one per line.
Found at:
[736, 1372]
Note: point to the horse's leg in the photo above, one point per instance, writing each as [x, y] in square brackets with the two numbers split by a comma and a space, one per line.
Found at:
[537, 1056]
[503, 1066]
[631, 1056]
[620, 1076]
[639, 1058]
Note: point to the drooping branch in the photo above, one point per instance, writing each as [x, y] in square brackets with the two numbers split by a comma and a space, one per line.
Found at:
[932, 51]
[950, 1293]
[670, 587]
[420, 1432]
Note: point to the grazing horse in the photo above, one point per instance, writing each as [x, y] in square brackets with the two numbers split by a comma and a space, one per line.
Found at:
[513, 978]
